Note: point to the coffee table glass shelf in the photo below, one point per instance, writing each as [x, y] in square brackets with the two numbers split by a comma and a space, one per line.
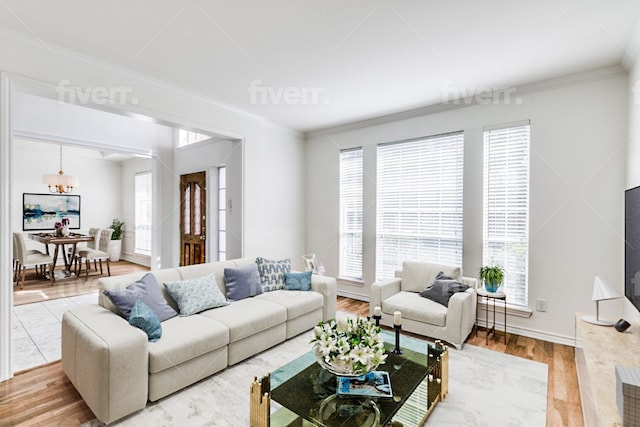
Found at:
[301, 393]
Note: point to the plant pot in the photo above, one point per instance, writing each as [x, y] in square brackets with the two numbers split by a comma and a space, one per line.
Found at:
[115, 248]
[491, 287]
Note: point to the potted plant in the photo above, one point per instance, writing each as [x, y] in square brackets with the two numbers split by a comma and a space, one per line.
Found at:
[493, 276]
[115, 246]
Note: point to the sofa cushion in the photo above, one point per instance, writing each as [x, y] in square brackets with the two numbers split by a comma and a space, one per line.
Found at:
[442, 289]
[185, 338]
[416, 275]
[272, 273]
[144, 318]
[148, 291]
[242, 282]
[196, 295]
[248, 317]
[414, 307]
[297, 303]
[298, 281]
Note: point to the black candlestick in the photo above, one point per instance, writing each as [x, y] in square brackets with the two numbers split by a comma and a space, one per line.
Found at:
[377, 319]
[397, 349]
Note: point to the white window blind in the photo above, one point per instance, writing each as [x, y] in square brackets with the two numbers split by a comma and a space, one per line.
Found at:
[506, 207]
[419, 202]
[143, 186]
[222, 213]
[351, 178]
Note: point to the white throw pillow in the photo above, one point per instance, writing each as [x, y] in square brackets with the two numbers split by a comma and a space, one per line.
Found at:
[416, 275]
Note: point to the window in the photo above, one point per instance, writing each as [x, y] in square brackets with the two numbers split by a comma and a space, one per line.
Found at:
[143, 199]
[186, 137]
[506, 207]
[351, 176]
[419, 202]
[222, 213]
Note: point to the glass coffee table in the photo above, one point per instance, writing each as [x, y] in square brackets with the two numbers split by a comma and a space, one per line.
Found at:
[304, 394]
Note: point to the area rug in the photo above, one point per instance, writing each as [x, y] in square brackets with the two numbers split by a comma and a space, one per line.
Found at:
[486, 388]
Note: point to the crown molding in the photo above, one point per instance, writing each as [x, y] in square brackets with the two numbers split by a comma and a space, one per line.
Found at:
[527, 88]
[631, 50]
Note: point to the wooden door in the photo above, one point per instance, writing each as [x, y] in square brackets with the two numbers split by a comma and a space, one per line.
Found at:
[193, 204]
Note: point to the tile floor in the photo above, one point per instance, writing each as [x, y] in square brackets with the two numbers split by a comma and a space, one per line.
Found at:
[36, 330]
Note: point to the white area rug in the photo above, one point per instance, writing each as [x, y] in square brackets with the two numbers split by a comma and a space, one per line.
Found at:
[486, 388]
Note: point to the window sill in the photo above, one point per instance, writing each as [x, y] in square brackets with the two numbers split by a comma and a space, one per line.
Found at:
[512, 309]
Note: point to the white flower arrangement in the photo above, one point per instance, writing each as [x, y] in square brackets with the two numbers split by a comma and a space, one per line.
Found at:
[349, 346]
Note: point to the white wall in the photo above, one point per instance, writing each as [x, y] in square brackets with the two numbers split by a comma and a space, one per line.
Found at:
[578, 135]
[100, 180]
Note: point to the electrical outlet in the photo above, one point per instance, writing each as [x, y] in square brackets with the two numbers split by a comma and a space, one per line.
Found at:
[541, 304]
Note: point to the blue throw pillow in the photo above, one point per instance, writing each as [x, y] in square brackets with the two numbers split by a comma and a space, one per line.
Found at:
[143, 317]
[298, 281]
[148, 291]
[196, 295]
[242, 282]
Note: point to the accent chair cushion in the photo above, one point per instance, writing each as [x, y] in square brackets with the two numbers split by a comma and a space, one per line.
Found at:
[242, 282]
[416, 275]
[272, 273]
[298, 281]
[144, 318]
[196, 295]
[442, 288]
[146, 290]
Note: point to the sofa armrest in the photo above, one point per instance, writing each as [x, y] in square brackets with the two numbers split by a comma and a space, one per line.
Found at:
[461, 313]
[328, 287]
[382, 290]
[106, 360]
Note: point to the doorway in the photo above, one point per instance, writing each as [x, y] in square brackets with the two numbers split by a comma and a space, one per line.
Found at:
[193, 218]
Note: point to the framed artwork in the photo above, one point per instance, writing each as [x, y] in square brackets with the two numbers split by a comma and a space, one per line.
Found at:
[310, 263]
[42, 211]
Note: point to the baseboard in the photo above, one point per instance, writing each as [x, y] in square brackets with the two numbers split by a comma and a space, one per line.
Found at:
[532, 333]
[352, 295]
[140, 260]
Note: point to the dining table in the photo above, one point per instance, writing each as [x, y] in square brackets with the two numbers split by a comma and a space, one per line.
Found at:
[72, 240]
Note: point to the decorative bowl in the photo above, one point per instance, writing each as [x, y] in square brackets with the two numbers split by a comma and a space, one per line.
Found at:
[339, 412]
[342, 371]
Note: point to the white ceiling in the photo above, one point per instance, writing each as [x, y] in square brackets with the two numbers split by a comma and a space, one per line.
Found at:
[360, 58]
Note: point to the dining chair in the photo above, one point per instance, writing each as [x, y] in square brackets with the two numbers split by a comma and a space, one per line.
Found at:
[93, 244]
[16, 261]
[30, 258]
[97, 255]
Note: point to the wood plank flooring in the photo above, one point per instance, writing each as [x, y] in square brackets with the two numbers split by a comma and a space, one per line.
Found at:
[44, 396]
[35, 289]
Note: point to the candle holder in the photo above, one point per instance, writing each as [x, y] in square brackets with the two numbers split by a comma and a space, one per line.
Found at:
[377, 319]
[397, 349]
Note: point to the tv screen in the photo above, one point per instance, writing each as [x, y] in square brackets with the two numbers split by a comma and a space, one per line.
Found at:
[632, 245]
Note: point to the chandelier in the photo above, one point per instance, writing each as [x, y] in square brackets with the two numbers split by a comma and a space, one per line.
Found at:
[60, 183]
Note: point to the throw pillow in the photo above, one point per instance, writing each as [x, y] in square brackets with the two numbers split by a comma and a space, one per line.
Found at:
[442, 289]
[242, 282]
[415, 274]
[196, 295]
[148, 291]
[298, 281]
[272, 273]
[144, 318]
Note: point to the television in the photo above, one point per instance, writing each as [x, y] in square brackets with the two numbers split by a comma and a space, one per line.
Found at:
[632, 246]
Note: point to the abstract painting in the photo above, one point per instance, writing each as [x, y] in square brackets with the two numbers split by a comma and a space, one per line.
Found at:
[42, 211]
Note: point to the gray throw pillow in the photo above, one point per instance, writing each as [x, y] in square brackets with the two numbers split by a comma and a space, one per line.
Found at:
[146, 290]
[242, 282]
[442, 289]
[196, 295]
[272, 273]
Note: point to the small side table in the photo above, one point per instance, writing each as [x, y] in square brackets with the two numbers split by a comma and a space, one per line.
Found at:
[493, 297]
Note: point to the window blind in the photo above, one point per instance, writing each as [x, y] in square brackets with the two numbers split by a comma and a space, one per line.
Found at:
[143, 220]
[419, 202]
[506, 207]
[351, 181]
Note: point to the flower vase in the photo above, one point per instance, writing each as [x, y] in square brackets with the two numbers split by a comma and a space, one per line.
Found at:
[64, 231]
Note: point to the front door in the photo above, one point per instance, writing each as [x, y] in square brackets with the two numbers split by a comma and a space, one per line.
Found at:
[193, 218]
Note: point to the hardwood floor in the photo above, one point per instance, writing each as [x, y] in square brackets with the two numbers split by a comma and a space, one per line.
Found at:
[44, 396]
[36, 289]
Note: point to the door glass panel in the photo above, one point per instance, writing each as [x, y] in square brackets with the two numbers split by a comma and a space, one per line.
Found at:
[197, 217]
[187, 209]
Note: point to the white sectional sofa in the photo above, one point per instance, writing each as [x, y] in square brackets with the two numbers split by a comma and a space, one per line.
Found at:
[117, 370]
[423, 316]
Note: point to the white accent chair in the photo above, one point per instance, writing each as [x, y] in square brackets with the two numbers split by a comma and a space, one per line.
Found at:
[423, 316]
[97, 255]
[78, 260]
[29, 258]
